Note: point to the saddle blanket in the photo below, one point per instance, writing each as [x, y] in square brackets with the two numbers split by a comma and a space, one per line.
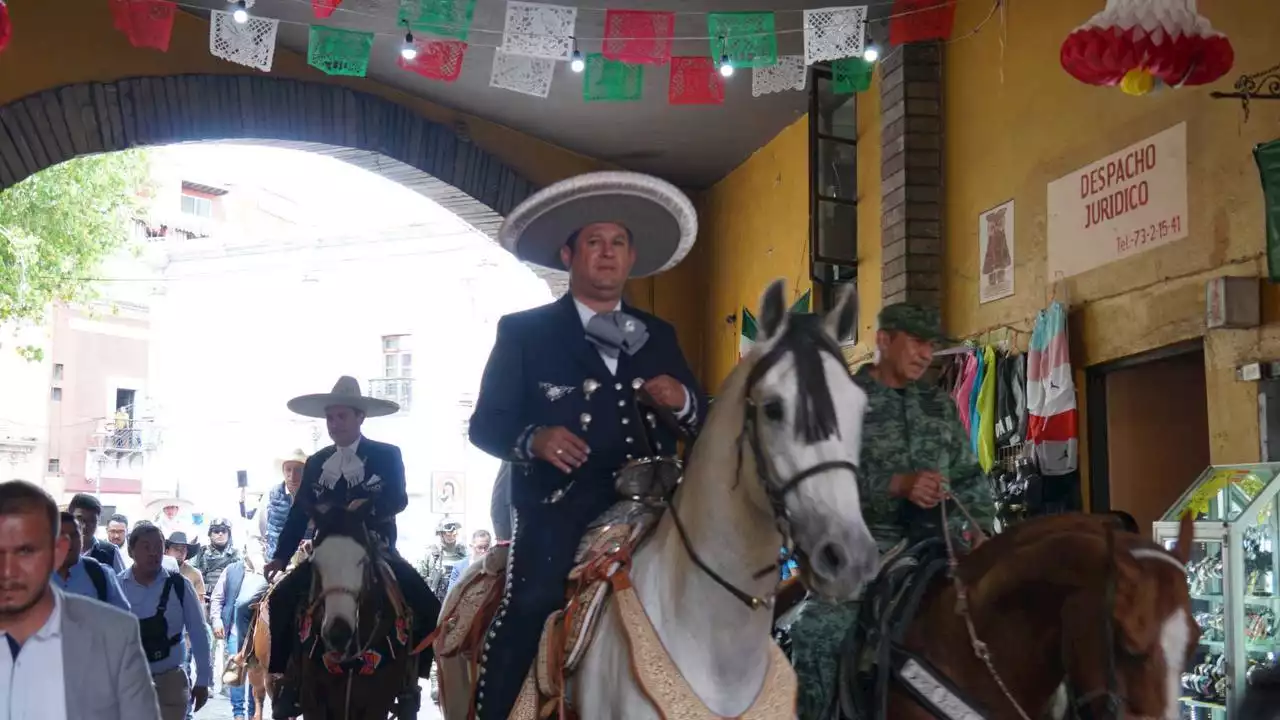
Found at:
[567, 634]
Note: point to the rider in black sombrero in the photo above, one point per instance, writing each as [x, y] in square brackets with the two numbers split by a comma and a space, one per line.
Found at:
[558, 396]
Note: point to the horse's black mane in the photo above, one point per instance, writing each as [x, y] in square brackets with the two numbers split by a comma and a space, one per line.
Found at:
[806, 340]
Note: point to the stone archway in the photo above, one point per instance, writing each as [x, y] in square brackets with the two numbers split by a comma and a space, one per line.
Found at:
[365, 130]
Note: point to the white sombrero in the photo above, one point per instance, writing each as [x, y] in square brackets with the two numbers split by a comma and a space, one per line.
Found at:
[345, 393]
[660, 218]
[297, 456]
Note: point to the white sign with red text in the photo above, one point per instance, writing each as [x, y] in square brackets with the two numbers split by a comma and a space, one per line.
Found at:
[1122, 205]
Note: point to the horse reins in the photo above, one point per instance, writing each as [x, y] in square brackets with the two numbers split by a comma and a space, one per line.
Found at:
[980, 649]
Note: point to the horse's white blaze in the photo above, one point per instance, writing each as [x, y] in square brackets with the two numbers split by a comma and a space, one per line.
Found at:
[1059, 702]
[1174, 635]
[340, 562]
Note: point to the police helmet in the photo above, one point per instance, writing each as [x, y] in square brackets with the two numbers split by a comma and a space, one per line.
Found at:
[448, 526]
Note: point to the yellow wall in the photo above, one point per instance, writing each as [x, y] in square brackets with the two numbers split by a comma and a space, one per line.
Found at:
[754, 228]
[1015, 121]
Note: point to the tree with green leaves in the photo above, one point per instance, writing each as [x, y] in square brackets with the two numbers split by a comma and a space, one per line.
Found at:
[57, 226]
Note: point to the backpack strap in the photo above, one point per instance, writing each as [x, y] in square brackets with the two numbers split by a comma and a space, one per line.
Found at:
[179, 588]
[172, 582]
[169, 584]
[98, 576]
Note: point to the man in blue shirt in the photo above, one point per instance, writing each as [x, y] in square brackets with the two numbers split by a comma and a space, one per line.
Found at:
[82, 575]
[167, 606]
[87, 511]
[481, 541]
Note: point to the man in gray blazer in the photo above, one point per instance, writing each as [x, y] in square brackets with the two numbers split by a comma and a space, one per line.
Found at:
[67, 656]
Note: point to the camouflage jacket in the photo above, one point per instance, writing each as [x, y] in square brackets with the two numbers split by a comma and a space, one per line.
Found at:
[437, 565]
[908, 430]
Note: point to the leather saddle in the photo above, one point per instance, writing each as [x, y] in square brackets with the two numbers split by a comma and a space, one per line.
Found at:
[873, 654]
[608, 544]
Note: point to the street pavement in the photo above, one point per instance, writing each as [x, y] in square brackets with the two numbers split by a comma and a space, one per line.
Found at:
[219, 708]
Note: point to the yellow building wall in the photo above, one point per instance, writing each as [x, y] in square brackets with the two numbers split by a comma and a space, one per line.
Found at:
[753, 229]
[1015, 121]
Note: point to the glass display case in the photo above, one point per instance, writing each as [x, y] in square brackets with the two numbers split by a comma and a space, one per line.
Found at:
[1234, 579]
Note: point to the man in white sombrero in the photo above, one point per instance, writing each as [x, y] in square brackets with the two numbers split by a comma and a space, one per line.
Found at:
[273, 510]
[558, 399]
[351, 469]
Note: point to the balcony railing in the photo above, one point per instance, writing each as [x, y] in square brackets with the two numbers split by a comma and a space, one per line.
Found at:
[132, 436]
[397, 390]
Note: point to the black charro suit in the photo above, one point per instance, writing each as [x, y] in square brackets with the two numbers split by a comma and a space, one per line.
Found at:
[388, 497]
[537, 376]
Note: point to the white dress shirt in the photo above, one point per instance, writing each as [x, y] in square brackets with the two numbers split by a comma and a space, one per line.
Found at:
[32, 686]
[586, 313]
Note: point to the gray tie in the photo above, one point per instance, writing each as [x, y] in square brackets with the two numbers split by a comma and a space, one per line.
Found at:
[616, 331]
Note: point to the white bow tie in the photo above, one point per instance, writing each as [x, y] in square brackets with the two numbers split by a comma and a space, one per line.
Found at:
[342, 464]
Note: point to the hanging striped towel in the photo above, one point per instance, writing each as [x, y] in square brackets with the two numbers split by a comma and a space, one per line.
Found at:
[1051, 394]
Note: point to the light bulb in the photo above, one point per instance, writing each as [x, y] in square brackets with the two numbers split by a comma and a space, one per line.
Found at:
[408, 51]
[871, 54]
[726, 67]
[577, 64]
[241, 13]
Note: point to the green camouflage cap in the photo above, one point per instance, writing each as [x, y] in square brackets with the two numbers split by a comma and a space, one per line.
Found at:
[922, 322]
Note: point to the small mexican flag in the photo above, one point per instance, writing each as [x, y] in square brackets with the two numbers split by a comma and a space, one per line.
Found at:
[747, 338]
[801, 305]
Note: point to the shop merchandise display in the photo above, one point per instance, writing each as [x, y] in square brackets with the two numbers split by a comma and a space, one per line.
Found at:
[1233, 578]
[989, 385]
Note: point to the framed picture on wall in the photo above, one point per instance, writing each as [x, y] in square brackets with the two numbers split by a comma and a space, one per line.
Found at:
[448, 493]
[995, 253]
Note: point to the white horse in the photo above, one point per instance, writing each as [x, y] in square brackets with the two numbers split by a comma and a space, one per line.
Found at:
[777, 454]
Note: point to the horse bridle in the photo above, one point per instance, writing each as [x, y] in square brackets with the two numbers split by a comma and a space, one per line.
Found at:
[775, 489]
[370, 579]
[1080, 705]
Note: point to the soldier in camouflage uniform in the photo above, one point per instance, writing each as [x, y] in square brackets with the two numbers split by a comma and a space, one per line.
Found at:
[914, 453]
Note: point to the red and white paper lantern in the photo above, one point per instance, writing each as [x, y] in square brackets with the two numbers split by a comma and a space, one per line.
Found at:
[1138, 43]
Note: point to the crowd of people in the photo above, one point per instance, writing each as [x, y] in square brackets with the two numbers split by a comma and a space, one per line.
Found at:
[192, 601]
[64, 592]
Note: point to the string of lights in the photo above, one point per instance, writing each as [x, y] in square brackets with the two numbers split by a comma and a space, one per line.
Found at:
[241, 14]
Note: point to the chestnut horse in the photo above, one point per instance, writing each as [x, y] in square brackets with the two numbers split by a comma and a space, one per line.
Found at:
[255, 655]
[1062, 596]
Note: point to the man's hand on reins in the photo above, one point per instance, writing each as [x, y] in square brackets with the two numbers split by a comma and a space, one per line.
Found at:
[924, 489]
[272, 568]
[668, 392]
[559, 447]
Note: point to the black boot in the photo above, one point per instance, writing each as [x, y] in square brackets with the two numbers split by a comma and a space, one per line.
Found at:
[284, 699]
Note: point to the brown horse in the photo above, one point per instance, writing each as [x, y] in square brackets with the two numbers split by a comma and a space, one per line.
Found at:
[256, 675]
[354, 651]
[1065, 596]
[255, 655]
